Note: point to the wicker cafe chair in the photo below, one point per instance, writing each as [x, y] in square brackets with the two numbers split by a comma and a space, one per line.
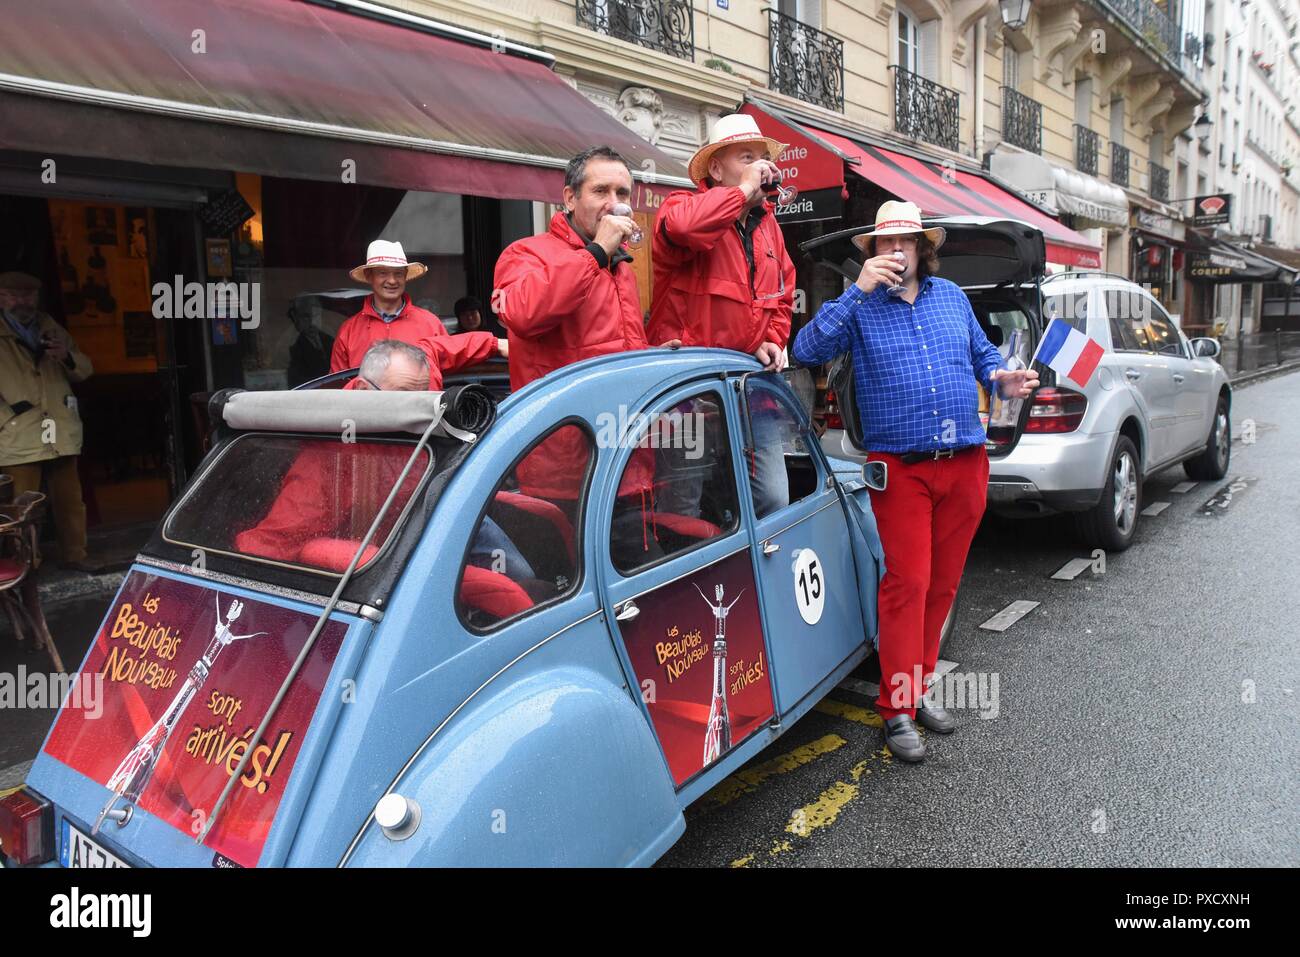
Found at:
[20, 520]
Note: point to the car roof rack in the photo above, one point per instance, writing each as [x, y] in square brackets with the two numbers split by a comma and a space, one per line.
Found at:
[1080, 273]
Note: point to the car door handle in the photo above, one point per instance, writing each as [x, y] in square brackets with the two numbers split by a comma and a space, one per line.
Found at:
[1178, 377]
[1132, 374]
[771, 548]
[626, 611]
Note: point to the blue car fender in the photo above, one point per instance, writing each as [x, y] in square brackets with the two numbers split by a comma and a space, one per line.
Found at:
[558, 768]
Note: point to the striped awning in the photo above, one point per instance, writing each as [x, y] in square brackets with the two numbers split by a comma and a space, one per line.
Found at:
[300, 89]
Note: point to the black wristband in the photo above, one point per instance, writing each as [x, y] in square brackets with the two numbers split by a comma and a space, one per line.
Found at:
[598, 253]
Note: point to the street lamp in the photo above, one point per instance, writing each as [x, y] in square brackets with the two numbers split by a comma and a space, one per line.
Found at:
[1015, 13]
[1202, 127]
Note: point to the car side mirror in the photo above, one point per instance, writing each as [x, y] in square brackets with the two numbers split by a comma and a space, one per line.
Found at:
[876, 475]
[1206, 348]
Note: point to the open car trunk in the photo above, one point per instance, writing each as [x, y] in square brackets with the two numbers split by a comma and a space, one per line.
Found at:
[999, 263]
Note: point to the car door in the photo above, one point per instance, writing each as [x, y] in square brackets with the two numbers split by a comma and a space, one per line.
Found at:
[1146, 371]
[679, 584]
[1193, 382]
[808, 583]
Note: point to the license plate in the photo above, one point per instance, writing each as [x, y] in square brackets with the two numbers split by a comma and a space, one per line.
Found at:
[79, 850]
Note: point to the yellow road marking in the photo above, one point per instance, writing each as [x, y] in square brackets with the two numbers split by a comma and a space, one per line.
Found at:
[823, 811]
[849, 712]
[8, 791]
[749, 779]
[743, 861]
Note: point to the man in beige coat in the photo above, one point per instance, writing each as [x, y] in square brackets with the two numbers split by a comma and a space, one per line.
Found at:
[40, 430]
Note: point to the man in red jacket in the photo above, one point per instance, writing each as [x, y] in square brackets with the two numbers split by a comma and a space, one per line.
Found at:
[390, 314]
[567, 295]
[723, 277]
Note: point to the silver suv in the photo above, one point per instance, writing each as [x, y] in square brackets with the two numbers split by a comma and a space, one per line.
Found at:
[1155, 400]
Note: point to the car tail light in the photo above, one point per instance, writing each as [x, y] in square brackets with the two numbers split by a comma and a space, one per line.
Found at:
[1056, 410]
[833, 418]
[26, 828]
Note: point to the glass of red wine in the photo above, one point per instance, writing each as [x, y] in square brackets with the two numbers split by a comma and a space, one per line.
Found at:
[784, 195]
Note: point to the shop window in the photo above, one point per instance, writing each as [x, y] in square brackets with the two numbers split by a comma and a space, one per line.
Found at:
[678, 489]
[525, 553]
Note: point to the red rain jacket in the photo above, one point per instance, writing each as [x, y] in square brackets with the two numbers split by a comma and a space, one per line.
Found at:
[560, 307]
[702, 291]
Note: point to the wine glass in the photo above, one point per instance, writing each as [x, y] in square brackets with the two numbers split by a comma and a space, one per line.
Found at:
[784, 194]
[635, 240]
[898, 288]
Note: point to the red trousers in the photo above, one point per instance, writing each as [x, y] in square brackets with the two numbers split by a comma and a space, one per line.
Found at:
[927, 516]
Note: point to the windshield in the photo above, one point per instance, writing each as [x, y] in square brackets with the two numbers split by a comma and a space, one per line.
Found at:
[297, 501]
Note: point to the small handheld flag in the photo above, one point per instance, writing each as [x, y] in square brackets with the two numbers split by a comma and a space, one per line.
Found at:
[1069, 352]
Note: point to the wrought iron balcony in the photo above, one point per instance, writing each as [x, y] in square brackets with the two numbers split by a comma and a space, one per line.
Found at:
[1022, 120]
[1159, 186]
[1156, 27]
[664, 25]
[1086, 145]
[1119, 164]
[924, 110]
[805, 62]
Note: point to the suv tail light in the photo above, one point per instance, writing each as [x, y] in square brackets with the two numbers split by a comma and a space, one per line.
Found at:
[1056, 410]
[833, 418]
[26, 828]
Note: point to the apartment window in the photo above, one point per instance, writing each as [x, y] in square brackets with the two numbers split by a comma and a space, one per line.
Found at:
[1117, 120]
[1010, 65]
[909, 41]
[805, 11]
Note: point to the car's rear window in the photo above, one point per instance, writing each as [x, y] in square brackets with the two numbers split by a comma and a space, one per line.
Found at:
[297, 501]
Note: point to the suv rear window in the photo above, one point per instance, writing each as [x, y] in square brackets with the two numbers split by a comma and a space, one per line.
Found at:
[297, 501]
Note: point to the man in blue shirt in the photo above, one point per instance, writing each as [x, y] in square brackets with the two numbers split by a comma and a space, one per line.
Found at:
[917, 353]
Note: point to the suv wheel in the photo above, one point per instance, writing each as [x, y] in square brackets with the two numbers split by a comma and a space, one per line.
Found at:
[1212, 464]
[1111, 523]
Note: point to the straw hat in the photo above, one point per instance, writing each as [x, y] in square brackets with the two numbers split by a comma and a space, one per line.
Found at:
[728, 131]
[896, 218]
[384, 253]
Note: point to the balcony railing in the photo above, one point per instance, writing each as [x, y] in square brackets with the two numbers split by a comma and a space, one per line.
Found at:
[1119, 157]
[924, 110]
[664, 25]
[1156, 27]
[1086, 145]
[1159, 182]
[805, 62]
[1022, 120]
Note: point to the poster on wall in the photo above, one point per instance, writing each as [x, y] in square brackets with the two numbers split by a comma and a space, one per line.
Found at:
[103, 254]
[698, 653]
[188, 673]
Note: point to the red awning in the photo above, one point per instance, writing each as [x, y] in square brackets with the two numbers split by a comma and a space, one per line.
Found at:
[297, 89]
[946, 191]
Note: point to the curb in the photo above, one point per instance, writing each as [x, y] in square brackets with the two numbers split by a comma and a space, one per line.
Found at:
[82, 586]
[1247, 378]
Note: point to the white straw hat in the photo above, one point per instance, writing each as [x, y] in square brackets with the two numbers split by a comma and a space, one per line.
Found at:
[384, 253]
[895, 218]
[728, 131]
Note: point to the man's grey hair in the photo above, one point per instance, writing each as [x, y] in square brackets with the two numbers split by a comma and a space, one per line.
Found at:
[379, 356]
[575, 174]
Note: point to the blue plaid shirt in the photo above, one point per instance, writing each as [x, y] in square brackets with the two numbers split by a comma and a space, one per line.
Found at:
[915, 365]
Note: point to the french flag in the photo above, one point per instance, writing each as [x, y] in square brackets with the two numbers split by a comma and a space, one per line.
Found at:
[1068, 352]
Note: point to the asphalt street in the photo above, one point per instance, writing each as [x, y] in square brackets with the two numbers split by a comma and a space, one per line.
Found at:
[1146, 715]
